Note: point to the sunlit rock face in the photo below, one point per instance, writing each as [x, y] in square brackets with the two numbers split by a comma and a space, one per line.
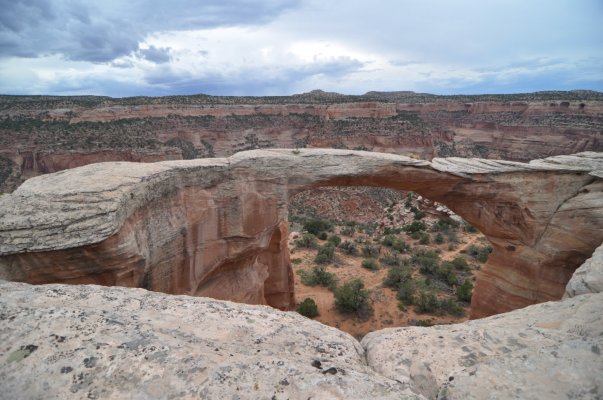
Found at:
[217, 227]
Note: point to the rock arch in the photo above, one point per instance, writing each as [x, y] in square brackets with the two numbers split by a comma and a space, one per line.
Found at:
[218, 226]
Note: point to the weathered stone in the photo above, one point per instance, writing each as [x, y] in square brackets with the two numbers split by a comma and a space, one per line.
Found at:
[217, 227]
[545, 351]
[73, 342]
[588, 278]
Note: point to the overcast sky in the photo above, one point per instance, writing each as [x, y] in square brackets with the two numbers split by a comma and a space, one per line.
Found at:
[279, 47]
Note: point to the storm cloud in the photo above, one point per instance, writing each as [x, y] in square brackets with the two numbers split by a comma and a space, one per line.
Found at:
[279, 47]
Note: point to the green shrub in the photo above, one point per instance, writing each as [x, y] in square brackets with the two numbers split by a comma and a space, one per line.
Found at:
[336, 240]
[424, 322]
[325, 254]
[348, 231]
[469, 228]
[451, 307]
[479, 253]
[439, 238]
[401, 246]
[427, 302]
[392, 231]
[318, 276]
[427, 260]
[370, 263]
[306, 240]
[445, 273]
[392, 259]
[463, 292]
[460, 263]
[349, 248]
[424, 238]
[415, 226]
[396, 277]
[369, 250]
[406, 292]
[317, 225]
[296, 261]
[352, 297]
[388, 240]
[308, 308]
[322, 236]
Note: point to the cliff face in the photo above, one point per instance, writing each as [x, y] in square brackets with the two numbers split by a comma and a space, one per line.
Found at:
[41, 135]
[217, 227]
[71, 342]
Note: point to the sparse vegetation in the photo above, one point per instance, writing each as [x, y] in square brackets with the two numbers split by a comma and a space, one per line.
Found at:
[352, 297]
[318, 276]
[308, 308]
[370, 263]
[464, 291]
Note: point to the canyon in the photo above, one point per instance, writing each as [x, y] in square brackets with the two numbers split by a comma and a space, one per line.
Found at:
[44, 134]
[218, 227]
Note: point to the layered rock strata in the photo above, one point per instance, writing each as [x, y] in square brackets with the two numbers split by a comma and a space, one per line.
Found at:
[217, 227]
[47, 134]
[71, 342]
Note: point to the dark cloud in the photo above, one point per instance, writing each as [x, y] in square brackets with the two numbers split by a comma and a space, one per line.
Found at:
[158, 55]
[103, 31]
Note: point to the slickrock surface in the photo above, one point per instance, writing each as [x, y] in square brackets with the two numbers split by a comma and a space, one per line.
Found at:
[217, 227]
[71, 342]
[74, 342]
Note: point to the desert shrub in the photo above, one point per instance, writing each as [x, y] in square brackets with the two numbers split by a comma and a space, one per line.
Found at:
[370, 263]
[349, 248]
[388, 240]
[463, 292]
[427, 260]
[484, 253]
[348, 231]
[452, 237]
[317, 225]
[392, 259]
[427, 302]
[445, 273]
[352, 297]
[401, 246]
[308, 308]
[318, 276]
[451, 307]
[439, 238]
[416, 235]
[392, 231]
[396, 277]
[322, 235]
[369, 250]
[469, 228]
[415, 226]
[306, 240]
[336, 240]
[479, 253]
[296, 261]
[460, 263]
[424, 322]
[325, 254]
[424, 238]
[406, 292]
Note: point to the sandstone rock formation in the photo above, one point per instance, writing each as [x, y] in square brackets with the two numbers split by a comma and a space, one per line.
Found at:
[71, 342]
[217, 227]
[47, 134]
[74, 342]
